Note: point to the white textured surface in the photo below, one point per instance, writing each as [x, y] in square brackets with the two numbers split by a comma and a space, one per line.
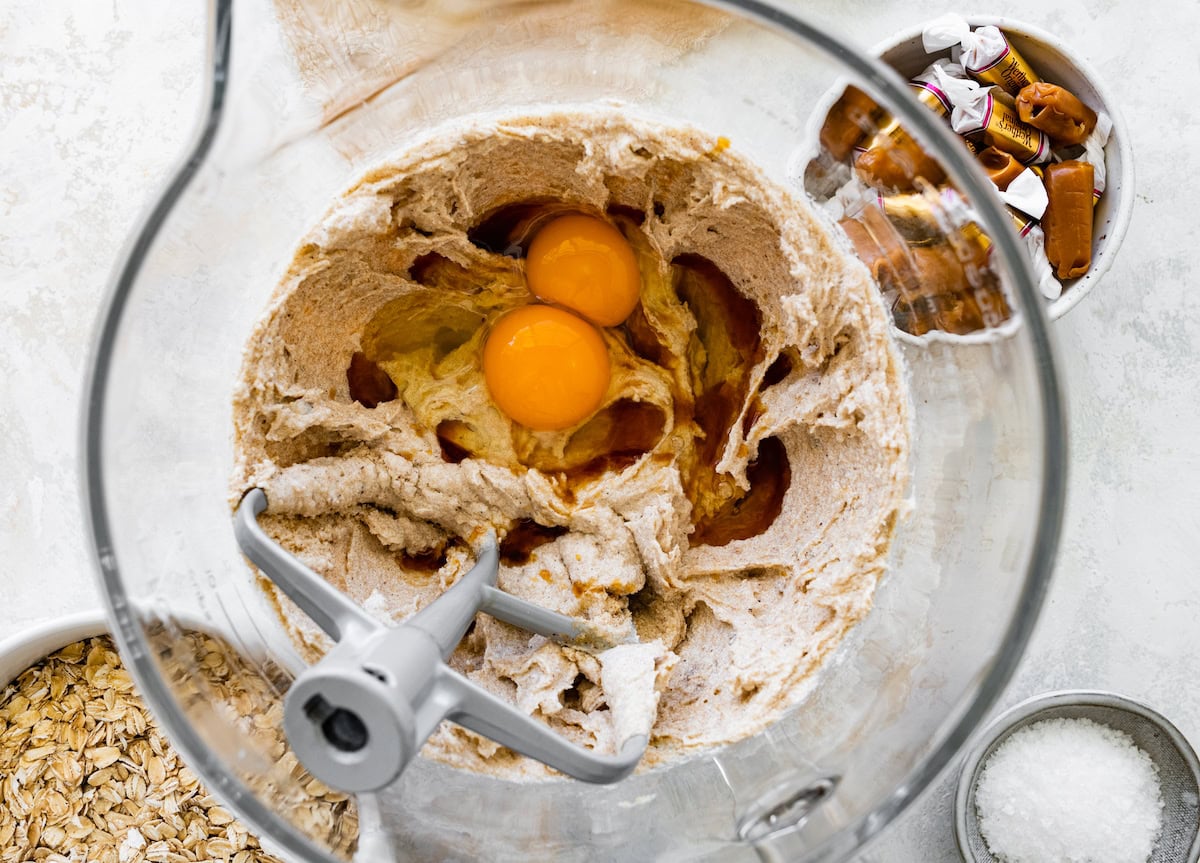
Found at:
[96, 100]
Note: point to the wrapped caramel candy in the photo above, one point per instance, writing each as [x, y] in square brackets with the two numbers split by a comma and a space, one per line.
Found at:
[937, 281]
[1001, 66]
[852, 118]
[891, 159]
[1068, 218]
[1001, 167]
[928, 88]
[894, 160]
[926, 249]
[987, 55]
[979, 114]
[935, 294]
[1057, 112]
[878, 244]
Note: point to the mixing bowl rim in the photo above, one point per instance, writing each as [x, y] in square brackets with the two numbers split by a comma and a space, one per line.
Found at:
[124, 629]
[131, 639]
[1024, 713]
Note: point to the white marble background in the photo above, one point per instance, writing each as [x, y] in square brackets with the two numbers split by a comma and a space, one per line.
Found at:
[97, 98]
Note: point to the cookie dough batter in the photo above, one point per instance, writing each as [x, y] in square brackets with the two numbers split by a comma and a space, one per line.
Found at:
[733, 500]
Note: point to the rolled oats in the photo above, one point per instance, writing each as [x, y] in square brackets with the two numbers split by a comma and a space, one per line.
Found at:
[85, 774]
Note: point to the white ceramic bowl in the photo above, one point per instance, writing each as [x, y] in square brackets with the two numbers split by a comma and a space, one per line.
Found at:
[1059, 64]
[24, 649]
[27, 648]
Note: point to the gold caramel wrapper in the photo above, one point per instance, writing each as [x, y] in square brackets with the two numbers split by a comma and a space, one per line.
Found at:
[1022, 221]
[1002, 128]
[931, 97]
[1009, 71]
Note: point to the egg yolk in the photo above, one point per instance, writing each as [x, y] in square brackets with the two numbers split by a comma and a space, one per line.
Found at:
[545, 368]
[583, 263]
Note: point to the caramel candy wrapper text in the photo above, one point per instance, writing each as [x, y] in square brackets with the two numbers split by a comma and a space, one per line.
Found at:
[998, 125]
[1009, 70]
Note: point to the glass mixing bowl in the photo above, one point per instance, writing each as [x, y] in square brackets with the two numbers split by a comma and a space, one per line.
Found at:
[305, 96]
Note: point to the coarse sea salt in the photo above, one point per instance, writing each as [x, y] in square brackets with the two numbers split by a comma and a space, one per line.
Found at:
[1069, 791]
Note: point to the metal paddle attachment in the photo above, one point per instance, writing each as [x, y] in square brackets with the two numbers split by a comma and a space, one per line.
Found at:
[357, 717]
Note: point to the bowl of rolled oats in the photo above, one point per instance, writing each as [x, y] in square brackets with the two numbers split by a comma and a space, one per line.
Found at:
[85, 772]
